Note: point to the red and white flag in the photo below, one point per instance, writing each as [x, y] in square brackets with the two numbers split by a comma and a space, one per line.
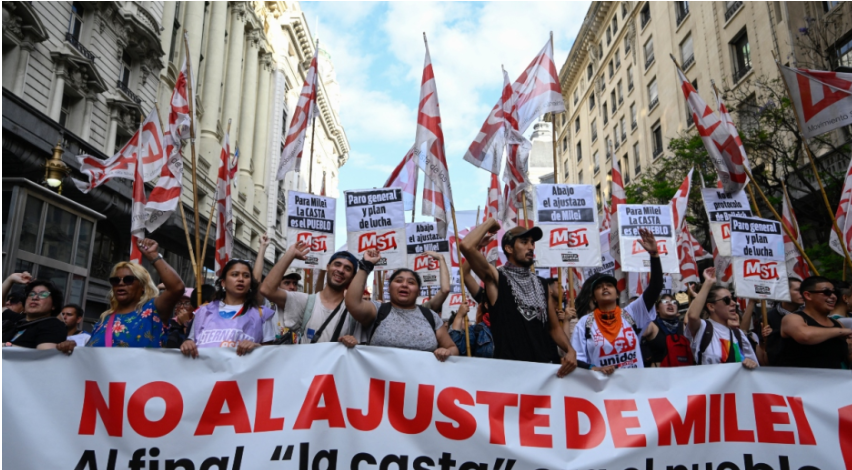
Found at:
[165, 196]
[148, 140]
[679, 202]
[699, 252]
[617, 187]
[429, 147]
[606, 215]
[796, 265]
[294, 142]
[517, 147]
[721, 145]
[509, 213]
[224, 210]
[844, 222]
[404, 176]
[823, 100]
[493, 205]
[538, 92]
[685, 253]
[724, 266]
[732, 129]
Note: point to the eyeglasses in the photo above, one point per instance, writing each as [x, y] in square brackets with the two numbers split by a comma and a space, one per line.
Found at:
[825, 292]
[42, 295]
[184, 303]
[727, 299]
[668, 302]
[126, 280]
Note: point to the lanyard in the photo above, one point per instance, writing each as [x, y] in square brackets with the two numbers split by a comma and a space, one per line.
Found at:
[108, 332]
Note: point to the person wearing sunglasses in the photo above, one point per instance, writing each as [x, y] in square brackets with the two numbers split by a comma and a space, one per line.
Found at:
[809, 337]
[137, 309]
[39, 328]
[664, 338]
[712, 340]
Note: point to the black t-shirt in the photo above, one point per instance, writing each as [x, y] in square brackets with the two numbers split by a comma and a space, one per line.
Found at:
[773, 341]
[11, 315]
[30, 334]
[516, 338]
[830, 354]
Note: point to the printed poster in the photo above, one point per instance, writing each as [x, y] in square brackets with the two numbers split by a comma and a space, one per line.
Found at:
[656, 218]
[375, 219]
[567, 216]
[760, 271]
[720, 207]
[454, 300]
[310, 219]
[420, 238]
[607, 261]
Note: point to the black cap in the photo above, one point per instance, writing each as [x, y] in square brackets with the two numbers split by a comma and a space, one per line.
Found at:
[601, 277]
[521, 232]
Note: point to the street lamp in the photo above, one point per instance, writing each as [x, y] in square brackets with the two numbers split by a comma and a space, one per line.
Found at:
[55, 169]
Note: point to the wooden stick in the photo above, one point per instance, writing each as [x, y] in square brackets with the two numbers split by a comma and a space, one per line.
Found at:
[213, 205]
[199, 267]
[467, 335]
[414, 202]
[757, 211]
[793, 216]
[311, 160]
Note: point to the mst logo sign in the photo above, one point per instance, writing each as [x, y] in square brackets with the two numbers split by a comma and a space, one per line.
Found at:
[726, 231]
[569, 238]
[766, 271]
[316, 242]
[662, 247]
[425, 263]
[377, 241]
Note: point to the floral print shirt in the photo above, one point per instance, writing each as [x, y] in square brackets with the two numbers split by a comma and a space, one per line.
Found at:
[140, 329]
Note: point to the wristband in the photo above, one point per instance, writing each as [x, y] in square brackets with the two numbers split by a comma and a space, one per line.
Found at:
[158, 258]
[366, 266]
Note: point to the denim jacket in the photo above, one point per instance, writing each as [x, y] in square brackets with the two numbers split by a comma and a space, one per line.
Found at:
[481, 341]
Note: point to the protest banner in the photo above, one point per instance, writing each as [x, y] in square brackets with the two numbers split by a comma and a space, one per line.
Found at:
[567, 216]
[326, 407]
[310, 219]
[625, 235]
[720, 207]
[757, 246]
[420, 238]
[375, 219]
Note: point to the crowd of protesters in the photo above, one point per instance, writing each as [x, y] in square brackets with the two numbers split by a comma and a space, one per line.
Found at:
[519, 316]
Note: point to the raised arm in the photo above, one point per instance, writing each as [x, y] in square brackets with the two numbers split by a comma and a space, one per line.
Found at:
[363, 311]
[655, 285]
[166, 301]
[257, 271]
[15, 278]
[794, 326]
[269, 287]
[693, 314]
[469, 247]
[438, 299]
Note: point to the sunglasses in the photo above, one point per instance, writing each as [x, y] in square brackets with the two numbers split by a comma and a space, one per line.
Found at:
[41, 295]
[727, 299]
[668, 302]
[126, 280]
[826, 292]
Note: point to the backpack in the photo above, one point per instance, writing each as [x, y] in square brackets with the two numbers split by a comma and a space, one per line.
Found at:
[384, 311]
[708, 336]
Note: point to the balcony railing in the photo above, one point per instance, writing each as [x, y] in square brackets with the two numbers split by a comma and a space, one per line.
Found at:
[649, 61]
[626, 177]
[654, 103]
[733, 7]
[637, 170]
[74, 42]
[617, 63]
[623, 136]
[605, 118]
[633, 125]
[689, 61]
[597, 168]
[123, 87]
[620, 100]
[682, 11]
[739, 74]
[630, 87]
[645, 16]
[617, 144]
[594, 136]
[689, 120]
[658, 151]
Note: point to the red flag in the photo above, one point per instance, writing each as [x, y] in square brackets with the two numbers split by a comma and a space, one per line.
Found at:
[796, 266]
[823, 100]
[617, 187]
[494, 201]
[405, 176]
[294, 142]
[698, 251]
[517, 147]
[844, 222]
[721, 146]
[606, 215]
[224, 210]
[724, 266]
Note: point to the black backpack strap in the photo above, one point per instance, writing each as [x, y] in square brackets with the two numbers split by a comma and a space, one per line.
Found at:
[318, 333]
[339, 327]
[382, 313]
[428, 314]
[705, 341]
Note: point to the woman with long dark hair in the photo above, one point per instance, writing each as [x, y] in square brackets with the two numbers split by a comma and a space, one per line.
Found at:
[235, 318]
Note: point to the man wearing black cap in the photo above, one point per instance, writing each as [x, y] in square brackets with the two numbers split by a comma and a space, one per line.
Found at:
[319, 317]
[524, 323]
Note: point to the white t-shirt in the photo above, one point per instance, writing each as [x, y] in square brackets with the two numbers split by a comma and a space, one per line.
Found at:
[624, 352]
[294, 311]
[80, 338]
[720, 346]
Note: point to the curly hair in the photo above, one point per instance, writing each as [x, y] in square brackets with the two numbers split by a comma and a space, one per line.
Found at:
[251, 296]
[144, 277]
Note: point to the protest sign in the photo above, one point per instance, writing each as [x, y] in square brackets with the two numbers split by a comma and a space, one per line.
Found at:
[629, 219]
[757, 246]
[355, 408]
[607, 265]
[375, 219]
[567, 216]
[310, 219]
[638, 282]
[420, 238]
[720, 207]
[454, 299]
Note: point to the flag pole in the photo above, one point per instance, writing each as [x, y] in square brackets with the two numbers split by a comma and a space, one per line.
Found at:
[199, 267]
[556, 177]
[414, 202]
[214, 204]
[313, 127]
[793, 217]
[180, 204]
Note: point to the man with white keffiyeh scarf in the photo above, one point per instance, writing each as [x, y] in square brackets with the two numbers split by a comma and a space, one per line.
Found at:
[524, 323]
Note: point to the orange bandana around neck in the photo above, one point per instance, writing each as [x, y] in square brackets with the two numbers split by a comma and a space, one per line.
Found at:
[609, 323]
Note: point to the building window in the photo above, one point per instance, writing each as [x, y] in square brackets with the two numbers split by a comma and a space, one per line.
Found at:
[608, 148]
[638, 168]
[175, 32]
[594, 130]
[65, 109]
[645, 14]
[741, 56]
[731, 8]
[623, 10]
[589, 72]
[649, 52]
[608, 36]
[576, 96]
[681, 10]
[626, 169]
[845, 53]
[657, 139]
[579, 152]
[612, 100]
[686, 54]
[623, 129]
[611, 69]
[564, 144]
[598, 193]
[605, 113]
[75, 28]
[653, 99]
[827, 6]
[615, 135]
[630, 78]
[748, 115]
[620, 93]
[633, 116]
[614, 24]
[124, 73]
[577, 125]
[626, 45]
[600, 49]
[596, 159]
[591, 101]
[617, 60]
[580, 176]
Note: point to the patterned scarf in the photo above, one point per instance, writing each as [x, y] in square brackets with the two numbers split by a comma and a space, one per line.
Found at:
[528, 291]
[669, 326]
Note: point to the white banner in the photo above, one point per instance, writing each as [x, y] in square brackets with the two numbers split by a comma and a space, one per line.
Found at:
[375, 219]
[658, 219]
[760, 271]
[420, 238]
[310, 219]
[567, 216]
[326, 407]
[720, 207]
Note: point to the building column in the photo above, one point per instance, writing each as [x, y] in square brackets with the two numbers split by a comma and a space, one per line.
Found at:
[233, 85]
[21, 73]
[166, 32]
[247, 115]
[58, 92]
[109, 144]
[86, 131]
[193, 22]
[261, 136]
[211, 90]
